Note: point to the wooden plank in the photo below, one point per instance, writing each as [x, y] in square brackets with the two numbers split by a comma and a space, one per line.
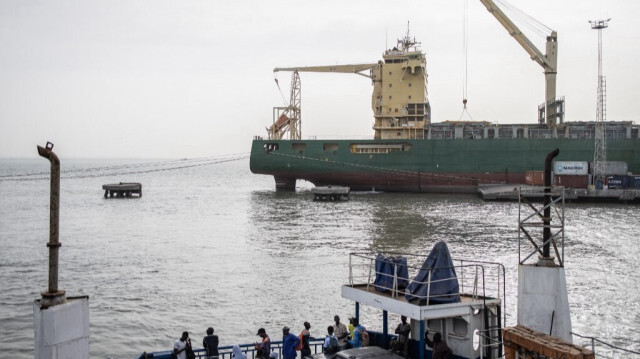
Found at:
[521, 337]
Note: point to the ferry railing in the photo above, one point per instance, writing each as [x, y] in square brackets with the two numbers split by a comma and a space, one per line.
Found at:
[476, 279]
[225, 352]
[602, 349]
[487, 342]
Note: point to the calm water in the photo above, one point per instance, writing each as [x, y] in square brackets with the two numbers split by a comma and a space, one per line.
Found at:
[216, 246]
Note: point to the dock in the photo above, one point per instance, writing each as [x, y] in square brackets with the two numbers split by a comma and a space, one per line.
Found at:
[330, 193]
[509, 192]
[122, 190]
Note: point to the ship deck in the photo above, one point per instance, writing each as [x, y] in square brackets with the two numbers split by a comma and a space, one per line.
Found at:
[368, 295]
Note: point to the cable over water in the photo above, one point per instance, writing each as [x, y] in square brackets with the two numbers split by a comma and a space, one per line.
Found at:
[136, 168]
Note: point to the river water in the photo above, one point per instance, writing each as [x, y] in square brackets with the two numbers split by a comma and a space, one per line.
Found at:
[214, 245]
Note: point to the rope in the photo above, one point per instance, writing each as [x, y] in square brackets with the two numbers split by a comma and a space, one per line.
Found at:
[465, 52]
[85, 172]
[465, 37]
[539, 28]
[108, 168]
[284, 100]
[464, 110]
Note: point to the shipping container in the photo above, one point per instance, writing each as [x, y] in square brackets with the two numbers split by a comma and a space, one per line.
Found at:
[571, 181]
[571, 168]
[634, 181]
[613, 168]
[534, 178]
[617, 182]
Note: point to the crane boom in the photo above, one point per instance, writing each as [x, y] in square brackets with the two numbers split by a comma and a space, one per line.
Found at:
[548, 61]
[354, 69]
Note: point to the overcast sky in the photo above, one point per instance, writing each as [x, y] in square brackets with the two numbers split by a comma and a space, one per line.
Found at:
[158, 78]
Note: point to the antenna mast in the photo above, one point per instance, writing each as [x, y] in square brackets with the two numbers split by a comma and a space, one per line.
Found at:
[600, 150]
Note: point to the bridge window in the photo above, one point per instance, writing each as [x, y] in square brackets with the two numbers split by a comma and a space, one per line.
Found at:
[435, 325]
[460, 327]
[298, 147]
[370, 148]
[330, 146]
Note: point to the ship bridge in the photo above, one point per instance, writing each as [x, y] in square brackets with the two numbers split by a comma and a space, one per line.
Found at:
[462, 301]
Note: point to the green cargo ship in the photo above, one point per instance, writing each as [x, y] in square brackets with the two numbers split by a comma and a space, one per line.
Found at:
[436, 165]
[409, 153]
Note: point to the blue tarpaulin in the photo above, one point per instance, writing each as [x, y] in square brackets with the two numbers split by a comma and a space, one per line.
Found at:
[444, 282]
[385, 272]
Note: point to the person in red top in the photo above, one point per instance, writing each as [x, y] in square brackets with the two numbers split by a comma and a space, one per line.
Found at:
[304, 338]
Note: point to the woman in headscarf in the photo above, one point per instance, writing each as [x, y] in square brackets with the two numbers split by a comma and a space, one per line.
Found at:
[237, 353]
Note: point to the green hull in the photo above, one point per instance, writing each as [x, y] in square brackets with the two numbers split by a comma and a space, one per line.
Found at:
[423, 165]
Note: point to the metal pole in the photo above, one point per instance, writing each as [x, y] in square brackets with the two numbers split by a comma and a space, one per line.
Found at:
[547, 202]
[385, 328]
[422, 334]
[53, 296]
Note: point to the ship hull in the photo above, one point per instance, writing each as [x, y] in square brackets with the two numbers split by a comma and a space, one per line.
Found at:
[444, 166]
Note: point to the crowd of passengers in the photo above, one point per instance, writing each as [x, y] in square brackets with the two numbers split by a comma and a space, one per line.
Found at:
[339, 337]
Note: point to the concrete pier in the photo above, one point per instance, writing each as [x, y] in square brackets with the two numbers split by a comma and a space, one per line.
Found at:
[62, 331]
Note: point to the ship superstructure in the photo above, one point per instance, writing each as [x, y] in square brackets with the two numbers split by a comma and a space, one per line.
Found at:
[399, 101]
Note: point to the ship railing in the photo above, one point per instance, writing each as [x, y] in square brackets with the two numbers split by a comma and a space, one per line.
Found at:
[476, 279]
[488, 341]
[602, 349]
[225, 352]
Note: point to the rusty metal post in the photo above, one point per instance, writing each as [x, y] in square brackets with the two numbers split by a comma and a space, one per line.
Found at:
[547, 202]
[53, 295]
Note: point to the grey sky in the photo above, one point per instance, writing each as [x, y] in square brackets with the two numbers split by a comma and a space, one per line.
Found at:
[157, 78]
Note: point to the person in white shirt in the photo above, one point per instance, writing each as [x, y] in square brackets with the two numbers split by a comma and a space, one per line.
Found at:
[180, 346]
[340, 331]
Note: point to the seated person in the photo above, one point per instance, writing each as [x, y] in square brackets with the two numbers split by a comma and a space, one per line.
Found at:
[440, 348]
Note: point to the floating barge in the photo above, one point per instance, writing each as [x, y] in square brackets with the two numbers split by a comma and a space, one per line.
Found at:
[122, 190]
[330, 193]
